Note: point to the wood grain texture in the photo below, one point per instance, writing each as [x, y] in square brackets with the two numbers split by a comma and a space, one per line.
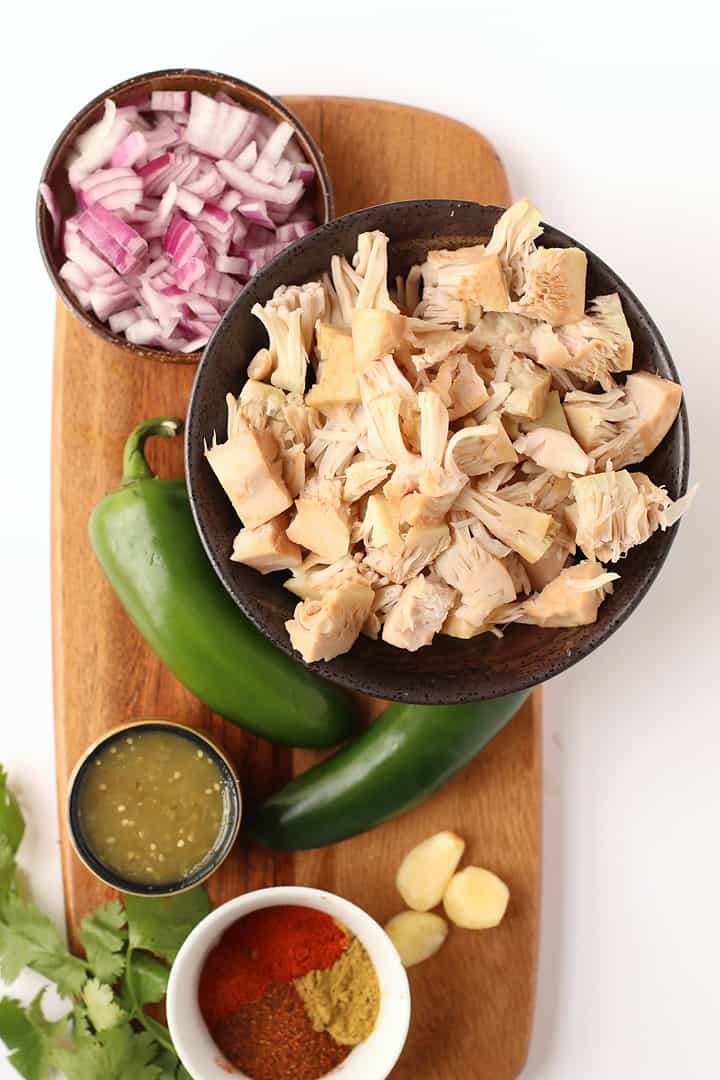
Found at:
[473, 1003]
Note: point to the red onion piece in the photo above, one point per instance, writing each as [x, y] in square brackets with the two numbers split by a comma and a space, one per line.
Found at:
[53, 210]
[172, 100]
[256, 211]
[232, 264]
[117, 241]
[115, 189]
[255, 189]
[183, 241]
[132, 148]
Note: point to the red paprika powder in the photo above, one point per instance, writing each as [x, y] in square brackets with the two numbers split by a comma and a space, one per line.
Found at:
[241, 1000]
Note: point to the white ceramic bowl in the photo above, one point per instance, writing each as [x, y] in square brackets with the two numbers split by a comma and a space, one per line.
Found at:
[371, 1060]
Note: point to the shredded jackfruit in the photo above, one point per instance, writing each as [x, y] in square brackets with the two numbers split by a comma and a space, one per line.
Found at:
[458, 463]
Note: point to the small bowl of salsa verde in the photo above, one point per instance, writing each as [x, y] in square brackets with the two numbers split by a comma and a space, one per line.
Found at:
[154, 808]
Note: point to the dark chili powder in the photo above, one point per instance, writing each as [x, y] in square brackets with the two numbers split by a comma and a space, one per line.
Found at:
[273, 1039]
[247, 1000]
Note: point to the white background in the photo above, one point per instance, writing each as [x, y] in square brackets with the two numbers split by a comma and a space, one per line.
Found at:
[607, 116]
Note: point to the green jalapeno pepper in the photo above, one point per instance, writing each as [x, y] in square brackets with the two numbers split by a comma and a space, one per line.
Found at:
[406, 755]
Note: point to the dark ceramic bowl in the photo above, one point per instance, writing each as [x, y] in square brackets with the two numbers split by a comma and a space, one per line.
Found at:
[449, 670]
[55, 174]
[232, 799]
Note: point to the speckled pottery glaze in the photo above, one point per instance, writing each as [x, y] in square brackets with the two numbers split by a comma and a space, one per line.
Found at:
[448, 671]
[55, 174]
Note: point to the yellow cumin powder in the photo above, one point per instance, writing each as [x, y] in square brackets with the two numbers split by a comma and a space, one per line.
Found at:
[344, 999]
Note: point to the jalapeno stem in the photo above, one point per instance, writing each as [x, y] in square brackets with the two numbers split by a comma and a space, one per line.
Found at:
[135, 466]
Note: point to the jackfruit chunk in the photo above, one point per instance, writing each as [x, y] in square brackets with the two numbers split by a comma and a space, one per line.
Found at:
[481, 579]
[468, 274]
[418, 615]
[513, 240]
[614, 511]
[553, 417]
[554, 450]
[323, 629]
[527, 531]
[530, 386]
[375, 333]
[571, 599]
[593, 348]
[481, 448]
[267, 548]
[422, 545]
[250, 472]
[321, 527]
[554, 286]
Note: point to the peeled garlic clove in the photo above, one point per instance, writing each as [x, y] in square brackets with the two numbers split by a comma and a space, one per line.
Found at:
[476, 899]
[425, 872]
[417, 935]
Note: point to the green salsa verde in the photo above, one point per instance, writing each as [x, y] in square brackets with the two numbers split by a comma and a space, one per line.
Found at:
[152, 805]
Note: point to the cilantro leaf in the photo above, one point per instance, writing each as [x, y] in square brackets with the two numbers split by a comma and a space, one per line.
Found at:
[7, 867]
[146, 979]
[161, 926]
[12, 823]
[103, 936]
[103, 1010]
[29, 939]
[119, 1054]
[29, 1036]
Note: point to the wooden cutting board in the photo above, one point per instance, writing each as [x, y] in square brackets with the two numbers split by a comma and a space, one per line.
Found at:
[473, 1003]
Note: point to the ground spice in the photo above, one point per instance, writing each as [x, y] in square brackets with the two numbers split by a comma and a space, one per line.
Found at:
[271, 945]
[274, 1039]
[343, 1000]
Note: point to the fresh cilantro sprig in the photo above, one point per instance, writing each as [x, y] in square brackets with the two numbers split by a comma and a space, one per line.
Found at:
[106, 1032]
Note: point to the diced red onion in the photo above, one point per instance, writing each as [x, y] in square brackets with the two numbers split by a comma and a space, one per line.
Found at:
[232, 264]
[183, 241]
[191, 204]
[96, 145]
[132, 148]
[246, 137]
[255, 189]
[209, 184]
[116, 241]
[156, 266]
[256, 211]
[120, 321]
[218, 286]
[282, 173]
[192, 271]
[167, 203]
[75, 276]
[248, 157]
[53, 210]
[144, 332]
[273, 151]
[172, 100]
[303, 170]
[109, 300]
[176, 208]
[214, 126]
[115, 189]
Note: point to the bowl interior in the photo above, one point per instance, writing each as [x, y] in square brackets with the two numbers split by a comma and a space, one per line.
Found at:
[213, 859]
[449, 670]
[124, 93]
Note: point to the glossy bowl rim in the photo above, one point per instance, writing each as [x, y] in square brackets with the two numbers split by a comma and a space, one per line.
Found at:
[394, 984]
[42, 215]
[510, 683]
[115, 880]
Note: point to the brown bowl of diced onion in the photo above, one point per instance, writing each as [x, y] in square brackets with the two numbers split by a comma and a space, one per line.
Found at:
[164, 196]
